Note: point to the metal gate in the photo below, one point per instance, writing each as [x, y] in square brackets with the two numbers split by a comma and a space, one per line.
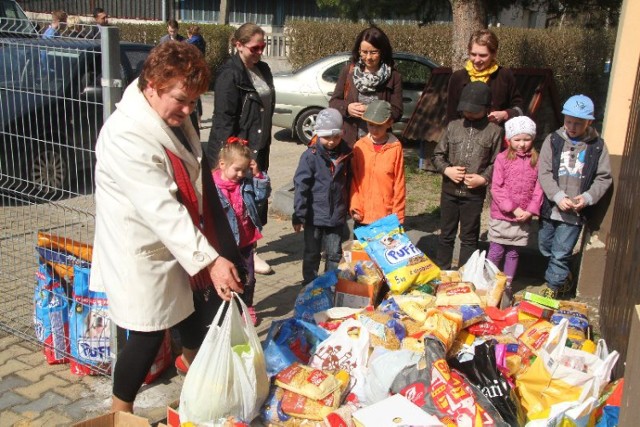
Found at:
[622, 272]
[52, 110]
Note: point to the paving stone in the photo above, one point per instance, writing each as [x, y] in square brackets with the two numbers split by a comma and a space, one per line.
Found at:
[12, 352]
[34, 359]
[11, 366]
[8, 340]
[51, 418]
[74, 391]
[38, 406]
[9, 399]
[45, 385]
[10, 418]
[10, 382]
[35, 373]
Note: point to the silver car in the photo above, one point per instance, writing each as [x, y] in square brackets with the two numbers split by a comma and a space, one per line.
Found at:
[302, 94]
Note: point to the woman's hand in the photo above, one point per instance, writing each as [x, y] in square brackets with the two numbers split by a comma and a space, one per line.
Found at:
[356, 109]
[225, 277]
[455, 173]
[498, 116]
[253, 165]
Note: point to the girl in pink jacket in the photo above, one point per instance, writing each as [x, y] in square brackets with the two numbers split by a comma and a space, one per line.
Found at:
[517, 196]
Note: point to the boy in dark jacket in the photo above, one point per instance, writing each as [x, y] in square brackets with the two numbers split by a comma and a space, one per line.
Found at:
[465, 156]
[322, 194]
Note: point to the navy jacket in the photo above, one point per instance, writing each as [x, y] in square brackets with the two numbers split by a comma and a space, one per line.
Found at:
[322, 187]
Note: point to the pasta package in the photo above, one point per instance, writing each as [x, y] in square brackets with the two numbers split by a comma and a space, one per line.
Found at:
[300, 406]
[313, 383]
[402, 263]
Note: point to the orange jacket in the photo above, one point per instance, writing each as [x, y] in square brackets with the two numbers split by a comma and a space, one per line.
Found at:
[377, 187]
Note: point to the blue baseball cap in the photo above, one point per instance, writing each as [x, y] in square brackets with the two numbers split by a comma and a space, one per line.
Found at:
[579, 106]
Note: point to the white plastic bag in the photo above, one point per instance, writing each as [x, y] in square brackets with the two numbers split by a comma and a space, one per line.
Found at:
[228, 376]
[486, 277]
[346, 351]
[384, 367]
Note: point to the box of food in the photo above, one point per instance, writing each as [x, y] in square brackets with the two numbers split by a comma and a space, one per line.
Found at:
[356, 295]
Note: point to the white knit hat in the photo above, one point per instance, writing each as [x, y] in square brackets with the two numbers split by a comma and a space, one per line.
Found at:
[328, 123]
[518, 125]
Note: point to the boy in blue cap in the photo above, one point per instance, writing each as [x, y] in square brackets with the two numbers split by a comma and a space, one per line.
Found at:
[574, 172]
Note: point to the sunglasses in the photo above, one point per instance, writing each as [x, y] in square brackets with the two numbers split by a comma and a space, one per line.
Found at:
[259, 48]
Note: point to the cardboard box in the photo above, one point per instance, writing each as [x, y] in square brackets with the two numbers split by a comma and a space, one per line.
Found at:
[355, 295]
[115, 419]
[173, 418]
[353, 251]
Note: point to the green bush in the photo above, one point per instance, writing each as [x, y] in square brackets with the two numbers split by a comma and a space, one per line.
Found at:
[576, 55]
[216, 36]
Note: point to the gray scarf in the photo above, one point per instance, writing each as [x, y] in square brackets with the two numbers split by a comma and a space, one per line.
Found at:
[369, 82]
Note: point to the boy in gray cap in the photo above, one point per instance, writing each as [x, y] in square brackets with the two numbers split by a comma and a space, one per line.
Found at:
[464, 156]
[574, 172]
[321, 194]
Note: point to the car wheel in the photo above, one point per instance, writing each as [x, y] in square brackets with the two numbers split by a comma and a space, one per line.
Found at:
[305, 123]
[48, 172]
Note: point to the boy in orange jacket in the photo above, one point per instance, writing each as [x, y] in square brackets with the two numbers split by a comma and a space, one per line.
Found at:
[378, 186]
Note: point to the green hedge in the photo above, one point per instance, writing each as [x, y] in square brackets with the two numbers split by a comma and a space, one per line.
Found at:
[576, 55]
[216, 36]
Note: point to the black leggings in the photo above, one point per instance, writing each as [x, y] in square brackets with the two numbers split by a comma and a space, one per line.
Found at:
[140, 350]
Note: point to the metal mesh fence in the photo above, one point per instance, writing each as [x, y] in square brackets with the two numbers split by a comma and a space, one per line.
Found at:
[52, 110]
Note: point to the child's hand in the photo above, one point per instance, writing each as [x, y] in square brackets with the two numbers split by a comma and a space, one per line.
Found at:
[579, 203]
[297, 227]
[473, 180]
[517, 213]
[566, 205]
[356, 216]
[253, 165]
[522, 216]
[356, 109]
[455, 173]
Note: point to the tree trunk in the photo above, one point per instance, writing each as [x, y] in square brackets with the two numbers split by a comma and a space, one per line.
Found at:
[223, 17]
[468, 16]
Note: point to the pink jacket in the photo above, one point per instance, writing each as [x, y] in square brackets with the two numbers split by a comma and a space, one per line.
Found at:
[514, 184]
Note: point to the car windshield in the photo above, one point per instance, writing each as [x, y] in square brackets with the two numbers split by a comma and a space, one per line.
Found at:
[33, 68]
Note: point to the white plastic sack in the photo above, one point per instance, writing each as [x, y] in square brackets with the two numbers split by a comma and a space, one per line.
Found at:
[344, 351]
[384, 367]
[228, 376]
[486, 276]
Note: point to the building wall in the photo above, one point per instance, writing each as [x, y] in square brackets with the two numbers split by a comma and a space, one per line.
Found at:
[614, 132]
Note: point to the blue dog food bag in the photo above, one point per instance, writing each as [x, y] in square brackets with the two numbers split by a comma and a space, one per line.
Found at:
[403, 264]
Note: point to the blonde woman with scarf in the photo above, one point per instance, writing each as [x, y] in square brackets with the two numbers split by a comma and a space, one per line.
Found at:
[506, 101]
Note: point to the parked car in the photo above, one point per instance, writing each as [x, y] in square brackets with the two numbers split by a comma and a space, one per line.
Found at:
[302, 94]
[14, 22]
[51, 110]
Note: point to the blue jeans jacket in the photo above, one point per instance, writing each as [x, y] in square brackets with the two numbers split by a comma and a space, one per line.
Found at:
[255, 192]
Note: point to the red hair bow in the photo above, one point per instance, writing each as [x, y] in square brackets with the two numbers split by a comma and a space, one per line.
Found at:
[236, 140]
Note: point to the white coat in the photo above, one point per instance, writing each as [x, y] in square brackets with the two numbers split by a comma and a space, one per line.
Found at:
[146, 244]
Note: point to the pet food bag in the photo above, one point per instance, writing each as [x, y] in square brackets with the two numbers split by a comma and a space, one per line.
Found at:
[90, 327]
[51, 315]
[403, 264]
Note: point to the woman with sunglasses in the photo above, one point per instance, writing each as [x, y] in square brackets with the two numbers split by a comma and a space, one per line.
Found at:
[243, 106]
[369, 75]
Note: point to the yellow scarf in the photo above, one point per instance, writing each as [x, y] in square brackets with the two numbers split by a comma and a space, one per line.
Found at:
[482, 76]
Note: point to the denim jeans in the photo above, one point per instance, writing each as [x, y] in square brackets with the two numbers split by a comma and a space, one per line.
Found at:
[315, 239]
[556, 240]
[250, 285]
[463, 210]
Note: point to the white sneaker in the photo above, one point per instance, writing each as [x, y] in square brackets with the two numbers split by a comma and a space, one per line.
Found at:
[260, 266]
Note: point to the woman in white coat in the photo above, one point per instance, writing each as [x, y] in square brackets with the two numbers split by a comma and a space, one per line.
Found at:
[153, 238]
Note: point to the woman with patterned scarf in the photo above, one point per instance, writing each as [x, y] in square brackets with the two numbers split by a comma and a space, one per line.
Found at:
[506, 101]
[369, 75]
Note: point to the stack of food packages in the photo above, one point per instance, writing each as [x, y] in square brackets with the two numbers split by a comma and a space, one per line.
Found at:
[425, 347]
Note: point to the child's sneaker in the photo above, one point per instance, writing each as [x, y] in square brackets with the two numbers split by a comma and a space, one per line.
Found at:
[253, 315]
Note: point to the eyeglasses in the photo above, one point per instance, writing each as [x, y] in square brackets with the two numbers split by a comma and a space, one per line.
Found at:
[259, 48]
[369, 52]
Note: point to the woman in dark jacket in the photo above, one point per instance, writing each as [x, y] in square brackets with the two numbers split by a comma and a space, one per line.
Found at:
[244, 98]
[506, 101]
[369, 75]
[243, 106]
